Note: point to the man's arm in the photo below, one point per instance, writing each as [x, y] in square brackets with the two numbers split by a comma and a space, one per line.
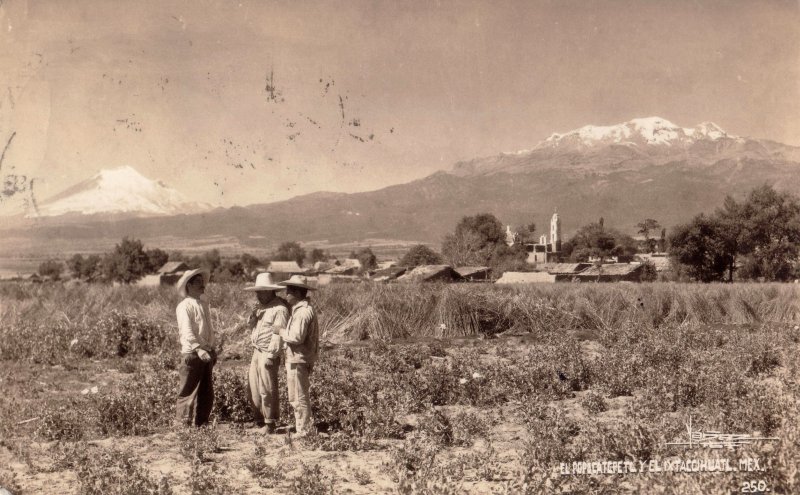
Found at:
[297, 331]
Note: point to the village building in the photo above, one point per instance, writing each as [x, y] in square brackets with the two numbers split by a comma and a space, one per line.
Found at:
[474, 273]
[431, 273]
[387, 274]
[525, 278]
[542, 251]
[563, 272]
[283, 270]
[350, 266]
[168, 274]
[614, 272]
[322, 266]
[659, 260]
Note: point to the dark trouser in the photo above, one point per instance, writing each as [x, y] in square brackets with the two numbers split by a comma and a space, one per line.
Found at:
[195, 390]
[263, 384]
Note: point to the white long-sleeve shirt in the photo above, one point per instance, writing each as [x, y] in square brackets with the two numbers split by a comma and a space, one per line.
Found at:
[301, 334]
[274, 314]
[194, 325]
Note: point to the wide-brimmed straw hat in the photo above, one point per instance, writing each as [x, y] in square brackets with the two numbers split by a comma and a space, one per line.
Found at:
[181, 286]
[264, 282]
[297, 281]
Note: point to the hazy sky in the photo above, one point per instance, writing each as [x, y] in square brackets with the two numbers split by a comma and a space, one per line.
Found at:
[257, 101]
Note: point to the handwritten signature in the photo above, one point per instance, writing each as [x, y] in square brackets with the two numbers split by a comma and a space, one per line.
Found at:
[718, 440]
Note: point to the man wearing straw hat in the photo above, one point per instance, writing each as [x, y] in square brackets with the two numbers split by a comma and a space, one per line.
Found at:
[269, 314]
[196, 389]
[301, 337]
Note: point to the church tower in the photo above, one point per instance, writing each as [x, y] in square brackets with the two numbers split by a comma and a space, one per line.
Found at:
[555, 233]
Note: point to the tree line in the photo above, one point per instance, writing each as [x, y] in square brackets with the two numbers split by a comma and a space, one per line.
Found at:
[129, 261]
[755, 239]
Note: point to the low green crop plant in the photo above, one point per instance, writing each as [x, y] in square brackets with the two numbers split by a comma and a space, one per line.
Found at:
[116, 472]
[593, 402]
[311, 481]
[209, 479]
[195, 444]
[231, 394]
[267, 474]
[145, 403]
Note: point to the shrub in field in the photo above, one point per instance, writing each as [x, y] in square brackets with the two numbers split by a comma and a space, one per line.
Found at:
[414, 458]
[62, 422]
[208, 479]
[593, 402]
[626, 440]
[361, 476]
[113, 472]
[196, 443]
[434, 485]
[231, 394]
[8, 480]
[145, 403]
[36, 342]
[67, 455]
[459, 429]
[267, 474]
[352, 404]
[551, 434]
[120, 334]
[311, 481]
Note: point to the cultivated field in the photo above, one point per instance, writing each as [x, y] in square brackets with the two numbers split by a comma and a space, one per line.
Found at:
[420, 389]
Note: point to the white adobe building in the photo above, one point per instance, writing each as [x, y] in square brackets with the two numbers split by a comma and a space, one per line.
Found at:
[543, 251]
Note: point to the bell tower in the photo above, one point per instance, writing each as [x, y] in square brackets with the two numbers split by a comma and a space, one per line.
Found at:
[555, 233]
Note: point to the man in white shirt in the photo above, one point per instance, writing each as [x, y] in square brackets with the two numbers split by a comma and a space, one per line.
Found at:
[270, 313]
[301, 336]
[196, 388]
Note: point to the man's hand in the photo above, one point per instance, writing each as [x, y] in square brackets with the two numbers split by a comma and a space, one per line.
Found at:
[204, 355]
[276, 330]
[253, 319]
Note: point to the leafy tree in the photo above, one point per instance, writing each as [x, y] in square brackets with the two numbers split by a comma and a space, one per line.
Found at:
[75, 265]
[474, 241]
[420, 255]
[594, 240]
[480, 241]
[51, 269]
[768, 232]
[84, 268]
[155, 259]
[662, 242]
[645, 227]
[230, 271]
[649, 272]
[701, 247]
[127, 263]
[526, 232]
[317, 255]
[290, 251]
[366, 257]
[210, 260]
[249, 263]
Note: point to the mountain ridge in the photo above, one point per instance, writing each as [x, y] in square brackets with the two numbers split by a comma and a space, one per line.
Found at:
[622, 183]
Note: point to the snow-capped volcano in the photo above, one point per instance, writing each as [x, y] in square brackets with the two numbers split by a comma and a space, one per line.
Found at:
[633, 145]
[644, 131]
[119, 190]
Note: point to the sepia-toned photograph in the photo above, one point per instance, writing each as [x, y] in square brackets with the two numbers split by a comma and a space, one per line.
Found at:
[409, 247]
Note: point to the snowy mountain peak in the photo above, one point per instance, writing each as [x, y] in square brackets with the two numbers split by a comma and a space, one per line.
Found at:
[118, 190]
[641, 131]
